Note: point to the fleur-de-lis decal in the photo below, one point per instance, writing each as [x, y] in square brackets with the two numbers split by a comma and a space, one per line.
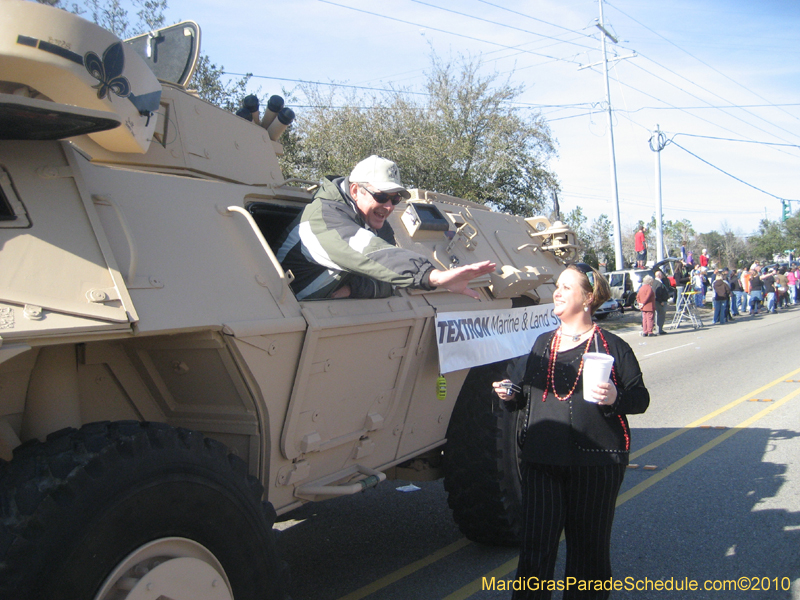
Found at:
[108, 71]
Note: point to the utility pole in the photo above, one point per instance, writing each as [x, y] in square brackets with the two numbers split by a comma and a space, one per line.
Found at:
[614, 189]
[657, 143]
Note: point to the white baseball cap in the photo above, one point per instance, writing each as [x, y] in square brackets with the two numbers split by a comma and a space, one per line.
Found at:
[380, 173]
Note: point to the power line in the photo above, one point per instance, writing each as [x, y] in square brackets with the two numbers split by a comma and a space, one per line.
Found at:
[709, 137]
[694, 96]
[672, 141]
[697, 59]
[483, 20]
[712, 107]
[461, 35]
[724, 109]
[536, 19]
[345, 85]
[526, 105]
[621, 83]
[701, 87]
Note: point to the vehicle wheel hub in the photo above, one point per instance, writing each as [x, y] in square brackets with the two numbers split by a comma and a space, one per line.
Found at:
[170, 568]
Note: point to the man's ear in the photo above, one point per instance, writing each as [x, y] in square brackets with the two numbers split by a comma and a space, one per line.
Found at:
[353, 190]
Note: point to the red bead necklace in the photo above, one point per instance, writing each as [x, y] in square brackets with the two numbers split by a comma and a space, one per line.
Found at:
[554, 344]
[551, 366]
[614, 379]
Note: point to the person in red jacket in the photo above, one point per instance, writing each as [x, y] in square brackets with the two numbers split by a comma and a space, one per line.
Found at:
[704, 258]
[647, 302]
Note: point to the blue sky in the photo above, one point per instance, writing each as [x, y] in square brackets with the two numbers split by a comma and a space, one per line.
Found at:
[704, 69]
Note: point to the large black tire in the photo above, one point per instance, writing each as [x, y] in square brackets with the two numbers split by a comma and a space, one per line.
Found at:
[74, 507]
[481, 462]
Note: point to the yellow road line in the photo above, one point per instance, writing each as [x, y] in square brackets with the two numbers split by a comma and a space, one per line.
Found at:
[711, 415]
[650, 481]
[475, 586]
[405, 571]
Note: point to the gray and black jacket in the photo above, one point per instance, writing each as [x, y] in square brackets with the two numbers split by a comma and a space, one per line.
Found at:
[329, 245]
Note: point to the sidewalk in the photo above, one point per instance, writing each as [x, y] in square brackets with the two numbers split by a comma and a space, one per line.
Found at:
[631, 320]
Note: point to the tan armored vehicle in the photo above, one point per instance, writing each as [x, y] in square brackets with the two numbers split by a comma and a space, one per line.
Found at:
[162, 392]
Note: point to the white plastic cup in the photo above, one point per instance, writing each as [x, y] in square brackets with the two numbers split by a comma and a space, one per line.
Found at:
[596, 369]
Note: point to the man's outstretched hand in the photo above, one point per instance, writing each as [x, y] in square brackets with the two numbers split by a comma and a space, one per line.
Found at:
[457, 280]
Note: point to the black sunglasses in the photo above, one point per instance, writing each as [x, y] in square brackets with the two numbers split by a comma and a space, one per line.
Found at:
[382, 197]
[586, 270]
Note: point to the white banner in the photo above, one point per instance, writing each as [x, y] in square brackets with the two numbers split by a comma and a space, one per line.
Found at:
[469, 339]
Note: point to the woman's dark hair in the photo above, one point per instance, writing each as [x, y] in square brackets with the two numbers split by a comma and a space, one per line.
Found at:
[593, 283]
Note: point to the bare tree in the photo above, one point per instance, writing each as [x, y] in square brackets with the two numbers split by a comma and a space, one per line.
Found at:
[464, 137]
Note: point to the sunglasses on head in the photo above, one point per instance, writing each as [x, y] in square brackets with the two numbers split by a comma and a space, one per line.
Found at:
[383, 197]
[586, 270]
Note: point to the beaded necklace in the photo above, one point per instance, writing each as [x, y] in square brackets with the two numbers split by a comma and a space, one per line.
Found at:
[551, 367]
[554, 343]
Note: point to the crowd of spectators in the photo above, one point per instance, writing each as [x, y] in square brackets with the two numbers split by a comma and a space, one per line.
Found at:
[735, 292]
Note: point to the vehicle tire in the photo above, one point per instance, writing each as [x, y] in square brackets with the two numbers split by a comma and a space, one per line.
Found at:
[601, 317]
[88, 513]
[481, 462]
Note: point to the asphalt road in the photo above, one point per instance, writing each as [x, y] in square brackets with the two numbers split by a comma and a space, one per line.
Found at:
[715, 498]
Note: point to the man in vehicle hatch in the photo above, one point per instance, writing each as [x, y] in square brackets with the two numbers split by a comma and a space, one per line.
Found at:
[342, 246]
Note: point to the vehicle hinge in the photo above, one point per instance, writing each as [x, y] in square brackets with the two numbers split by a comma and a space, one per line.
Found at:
[102, 295]
[293, 473]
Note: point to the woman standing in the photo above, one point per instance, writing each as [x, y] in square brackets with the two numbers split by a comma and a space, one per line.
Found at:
[699, 282]
[647, 304]
[575, 449]
[756, 291]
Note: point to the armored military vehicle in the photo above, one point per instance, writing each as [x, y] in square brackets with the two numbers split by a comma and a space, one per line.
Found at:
[163, 394]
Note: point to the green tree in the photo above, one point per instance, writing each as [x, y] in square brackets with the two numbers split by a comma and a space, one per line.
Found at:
[791, 229]
[600, 240]
[113, 14]
[576, 220]
[769, 240]
[464, 138]
[212, 86]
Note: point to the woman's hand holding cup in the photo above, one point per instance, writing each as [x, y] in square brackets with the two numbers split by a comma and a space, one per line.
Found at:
[604, 393]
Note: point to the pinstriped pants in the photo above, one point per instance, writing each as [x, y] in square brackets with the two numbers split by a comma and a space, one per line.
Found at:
[580, 501]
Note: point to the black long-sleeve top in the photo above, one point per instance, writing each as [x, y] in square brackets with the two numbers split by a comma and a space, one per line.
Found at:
[575, 431]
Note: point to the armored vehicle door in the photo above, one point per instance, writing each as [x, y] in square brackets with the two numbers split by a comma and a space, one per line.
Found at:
[353, 376]
[57, 273]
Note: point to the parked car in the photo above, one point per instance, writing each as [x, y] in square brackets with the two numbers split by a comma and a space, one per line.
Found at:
[625, 283]
[609, 307]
